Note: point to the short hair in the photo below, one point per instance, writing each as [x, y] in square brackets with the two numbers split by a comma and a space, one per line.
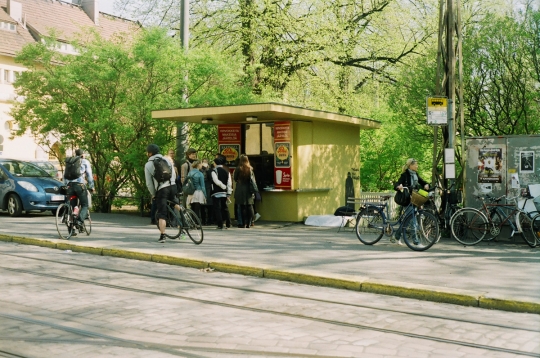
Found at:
[78, 152]
[190, 151]
[195, 164]
[152, 148]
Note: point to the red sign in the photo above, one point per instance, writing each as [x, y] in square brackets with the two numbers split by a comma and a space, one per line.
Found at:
[229, 133]
[282, 155]
[282, 132]
[229, 141]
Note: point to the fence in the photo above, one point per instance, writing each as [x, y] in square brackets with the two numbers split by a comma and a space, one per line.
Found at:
[376, 197]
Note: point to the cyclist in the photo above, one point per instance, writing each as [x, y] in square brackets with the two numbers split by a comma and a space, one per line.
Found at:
[409, 179]
[161, 192]
[78, 188]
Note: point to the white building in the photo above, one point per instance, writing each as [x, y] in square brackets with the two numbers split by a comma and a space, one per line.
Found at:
[26, 21]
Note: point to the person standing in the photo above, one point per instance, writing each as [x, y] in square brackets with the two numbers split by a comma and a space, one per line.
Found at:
[78, 187]
[221, 192]
[162, 191]
[243, 195]
[191, 156]
[207, 210]
[198, 198]
[411, 180]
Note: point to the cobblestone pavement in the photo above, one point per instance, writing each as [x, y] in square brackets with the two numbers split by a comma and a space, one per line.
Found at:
[63, 304]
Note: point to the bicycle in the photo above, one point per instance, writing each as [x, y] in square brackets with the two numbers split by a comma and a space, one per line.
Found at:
[450, 201]
[185, 221]
[66, 220]
[533, 214]
[420, 228]
[470, 226]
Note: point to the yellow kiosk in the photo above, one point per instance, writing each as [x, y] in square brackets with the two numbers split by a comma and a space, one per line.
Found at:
[306, 161]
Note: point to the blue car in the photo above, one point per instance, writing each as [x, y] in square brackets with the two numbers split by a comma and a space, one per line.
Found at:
[26, 187]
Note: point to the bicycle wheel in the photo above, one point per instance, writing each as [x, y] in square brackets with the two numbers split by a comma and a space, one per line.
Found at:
[87, 225]
[525, 225]
[469, 226]
[193, 226]
[494, 226]
[420, 230]
[536, 228]
[369, 225]
[64, 224]
[173, 223]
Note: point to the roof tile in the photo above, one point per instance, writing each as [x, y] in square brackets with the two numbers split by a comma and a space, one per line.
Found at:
[66, 19]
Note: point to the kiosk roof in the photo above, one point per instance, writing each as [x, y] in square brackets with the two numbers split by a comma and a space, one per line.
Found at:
[259, 113]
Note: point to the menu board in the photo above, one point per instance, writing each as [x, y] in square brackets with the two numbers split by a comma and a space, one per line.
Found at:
[282, 155]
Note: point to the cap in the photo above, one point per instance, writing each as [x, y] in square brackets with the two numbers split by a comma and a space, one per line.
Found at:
[152, 148]
[78, 152]
[191, 151]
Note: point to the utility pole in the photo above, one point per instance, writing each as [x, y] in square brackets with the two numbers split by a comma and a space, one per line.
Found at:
[449, 53]
[181, 128]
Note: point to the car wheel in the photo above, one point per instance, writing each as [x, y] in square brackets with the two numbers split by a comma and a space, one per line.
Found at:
[14, 206]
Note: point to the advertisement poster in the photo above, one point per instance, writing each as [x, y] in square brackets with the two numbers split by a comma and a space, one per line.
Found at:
[490, 165]
[282, 155]
[526, 162]
[231, 153]
[229, 141]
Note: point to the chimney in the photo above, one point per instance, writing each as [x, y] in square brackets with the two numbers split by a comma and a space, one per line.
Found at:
[14, 10]
[91, 8]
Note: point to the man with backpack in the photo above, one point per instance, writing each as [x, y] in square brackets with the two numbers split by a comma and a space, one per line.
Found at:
[160, 181]
[77, 168]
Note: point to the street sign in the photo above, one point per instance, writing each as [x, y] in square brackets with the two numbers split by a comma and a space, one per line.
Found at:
[437, 111]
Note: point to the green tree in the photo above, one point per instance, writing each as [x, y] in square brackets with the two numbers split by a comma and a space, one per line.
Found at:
[101, 99]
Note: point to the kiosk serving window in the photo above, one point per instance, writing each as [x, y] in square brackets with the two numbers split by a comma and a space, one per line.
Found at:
[259, 146]
[259, 139]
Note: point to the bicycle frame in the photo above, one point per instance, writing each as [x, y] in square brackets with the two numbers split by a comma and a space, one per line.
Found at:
[502, 209]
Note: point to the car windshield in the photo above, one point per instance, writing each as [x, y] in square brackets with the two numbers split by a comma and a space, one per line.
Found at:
[23, 169]
[44, 165]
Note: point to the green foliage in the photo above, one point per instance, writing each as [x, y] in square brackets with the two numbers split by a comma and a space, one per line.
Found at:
[101, 99]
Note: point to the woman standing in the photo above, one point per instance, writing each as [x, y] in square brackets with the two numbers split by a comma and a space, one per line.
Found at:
[243, 194]
[198, 198]
[411, 180]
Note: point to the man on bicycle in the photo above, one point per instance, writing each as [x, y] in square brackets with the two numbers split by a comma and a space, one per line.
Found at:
[78, 188]
[161, 191]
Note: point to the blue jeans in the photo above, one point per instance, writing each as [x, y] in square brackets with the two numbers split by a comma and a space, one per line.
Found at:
[409, 210]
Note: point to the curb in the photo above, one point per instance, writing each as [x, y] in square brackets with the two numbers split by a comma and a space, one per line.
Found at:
[424, 293]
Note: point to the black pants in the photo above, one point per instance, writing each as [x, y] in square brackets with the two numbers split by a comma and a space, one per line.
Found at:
[221, 212]
[247, 215]
[79, 189]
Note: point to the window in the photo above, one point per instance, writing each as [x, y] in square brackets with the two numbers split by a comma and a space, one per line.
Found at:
[259, 139]
[7, 79]
[8, 26]
[8, 126]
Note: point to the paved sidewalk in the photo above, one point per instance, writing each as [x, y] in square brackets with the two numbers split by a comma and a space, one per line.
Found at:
[501, 275]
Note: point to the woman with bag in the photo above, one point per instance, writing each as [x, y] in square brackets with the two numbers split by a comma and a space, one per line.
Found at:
[246, 188]
[198, 198]
[408, 181]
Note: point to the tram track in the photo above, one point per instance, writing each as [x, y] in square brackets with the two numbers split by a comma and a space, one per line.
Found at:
[283, 295]
[331, 322]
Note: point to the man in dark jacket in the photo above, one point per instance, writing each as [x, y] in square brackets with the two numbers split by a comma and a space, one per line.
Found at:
[221, 192]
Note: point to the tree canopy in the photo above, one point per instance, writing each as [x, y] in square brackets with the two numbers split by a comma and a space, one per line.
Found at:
[101, 99]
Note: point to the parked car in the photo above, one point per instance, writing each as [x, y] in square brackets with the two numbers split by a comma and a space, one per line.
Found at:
[48, 167]
[26, 187]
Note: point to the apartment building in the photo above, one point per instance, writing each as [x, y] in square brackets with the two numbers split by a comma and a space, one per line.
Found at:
[26, 21]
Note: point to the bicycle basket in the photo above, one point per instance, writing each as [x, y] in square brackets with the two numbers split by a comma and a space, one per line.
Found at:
[417, 199]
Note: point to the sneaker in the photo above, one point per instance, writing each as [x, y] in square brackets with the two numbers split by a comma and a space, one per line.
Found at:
[257, 217]
[161, 238]
[183, 237]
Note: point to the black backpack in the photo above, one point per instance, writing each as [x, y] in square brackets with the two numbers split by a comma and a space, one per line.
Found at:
[162, 170]
[73, 168]
[188, 187]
